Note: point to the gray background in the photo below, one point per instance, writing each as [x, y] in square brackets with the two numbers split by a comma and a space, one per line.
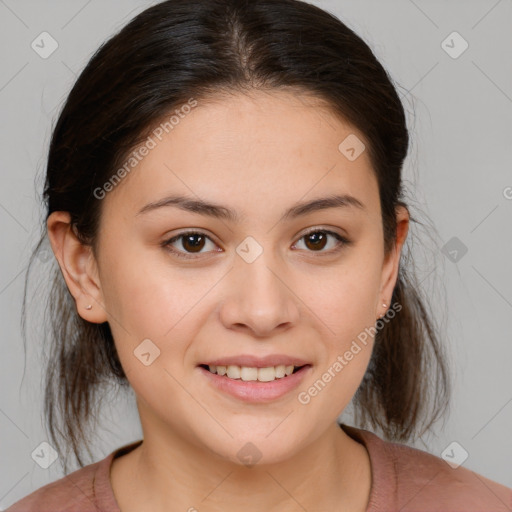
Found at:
[458, 173]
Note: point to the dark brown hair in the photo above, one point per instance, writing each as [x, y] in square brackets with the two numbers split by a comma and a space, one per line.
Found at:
[179, 49]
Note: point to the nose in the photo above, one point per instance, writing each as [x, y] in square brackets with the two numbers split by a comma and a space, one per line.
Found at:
[259, 300]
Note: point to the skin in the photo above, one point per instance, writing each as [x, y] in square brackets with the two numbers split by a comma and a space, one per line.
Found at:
[258, 154]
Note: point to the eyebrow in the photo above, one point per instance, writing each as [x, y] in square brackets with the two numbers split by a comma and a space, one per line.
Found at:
[221, 212]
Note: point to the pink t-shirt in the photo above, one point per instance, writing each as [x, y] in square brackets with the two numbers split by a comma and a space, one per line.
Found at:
[404, 479]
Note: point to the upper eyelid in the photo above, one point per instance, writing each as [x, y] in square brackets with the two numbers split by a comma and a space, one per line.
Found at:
[198, 231]
[314, 229]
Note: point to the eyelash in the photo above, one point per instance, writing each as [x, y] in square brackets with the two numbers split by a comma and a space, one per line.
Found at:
[344, 242]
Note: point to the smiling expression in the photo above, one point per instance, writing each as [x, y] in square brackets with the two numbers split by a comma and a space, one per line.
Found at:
[245, 238]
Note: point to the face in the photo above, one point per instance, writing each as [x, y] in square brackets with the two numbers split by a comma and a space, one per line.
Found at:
[259, 288]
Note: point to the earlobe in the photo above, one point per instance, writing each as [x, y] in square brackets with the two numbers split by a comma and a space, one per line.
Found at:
[78, 267]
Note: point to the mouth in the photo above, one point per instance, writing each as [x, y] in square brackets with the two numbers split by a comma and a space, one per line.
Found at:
[255, 384]
[253, 373]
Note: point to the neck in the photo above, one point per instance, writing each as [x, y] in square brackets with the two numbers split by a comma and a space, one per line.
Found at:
[332, 473]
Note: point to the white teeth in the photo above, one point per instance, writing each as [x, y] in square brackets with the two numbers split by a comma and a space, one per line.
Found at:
[266, 374]
[280, 371]
[247, 373]
[234, 371]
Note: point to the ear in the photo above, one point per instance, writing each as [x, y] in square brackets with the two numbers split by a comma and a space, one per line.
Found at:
[391, 262]
[78, 266]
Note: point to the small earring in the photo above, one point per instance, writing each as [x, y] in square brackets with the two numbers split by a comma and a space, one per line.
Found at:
[88, 307]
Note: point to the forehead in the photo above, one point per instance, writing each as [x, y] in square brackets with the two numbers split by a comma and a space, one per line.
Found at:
[250, 152]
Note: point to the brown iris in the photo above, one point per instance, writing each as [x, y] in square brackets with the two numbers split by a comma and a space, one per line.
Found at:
[193, 242]
[317, 240]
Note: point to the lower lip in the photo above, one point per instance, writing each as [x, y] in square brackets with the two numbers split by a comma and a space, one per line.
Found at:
[256, 391]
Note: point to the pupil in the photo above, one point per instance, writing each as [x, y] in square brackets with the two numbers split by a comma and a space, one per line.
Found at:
[194, 245]
[318, 240]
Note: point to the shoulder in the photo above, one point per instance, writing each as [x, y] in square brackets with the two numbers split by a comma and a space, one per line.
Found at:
[425, 478]
[72, 493]
[414, 480]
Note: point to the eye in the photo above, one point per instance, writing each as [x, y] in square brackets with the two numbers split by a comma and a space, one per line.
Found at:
[316, 239]
[192, 241]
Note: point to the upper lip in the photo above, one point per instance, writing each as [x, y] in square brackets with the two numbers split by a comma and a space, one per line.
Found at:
[257, 362]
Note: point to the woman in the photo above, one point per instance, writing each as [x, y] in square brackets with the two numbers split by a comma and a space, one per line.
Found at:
[225, 206]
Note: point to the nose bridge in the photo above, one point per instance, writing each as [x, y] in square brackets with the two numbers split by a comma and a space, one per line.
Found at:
[260, 284]
[259, 297]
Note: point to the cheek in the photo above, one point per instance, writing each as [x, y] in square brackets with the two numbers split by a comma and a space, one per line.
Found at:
[346, 307]
[141, 292]
[347, 314]
[147, 298]
[346, 300]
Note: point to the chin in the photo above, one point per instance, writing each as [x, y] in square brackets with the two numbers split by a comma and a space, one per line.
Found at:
[256, 450]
